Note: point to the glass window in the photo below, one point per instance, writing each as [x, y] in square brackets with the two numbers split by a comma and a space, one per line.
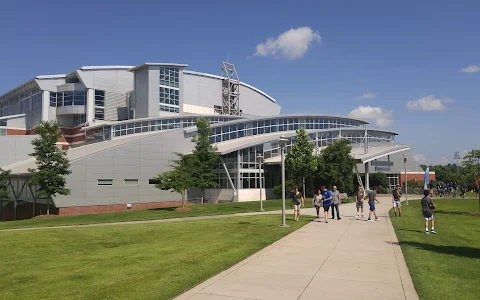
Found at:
[131, 182]
[104, 182]
[67, 98]
[99, 113]
[99, 98]
[79, 98]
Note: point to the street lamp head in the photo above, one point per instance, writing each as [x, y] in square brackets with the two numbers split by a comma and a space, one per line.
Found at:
[260, 158]
[283, 141]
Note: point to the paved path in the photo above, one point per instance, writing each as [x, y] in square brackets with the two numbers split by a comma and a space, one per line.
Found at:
[346, 259]
[149, 221]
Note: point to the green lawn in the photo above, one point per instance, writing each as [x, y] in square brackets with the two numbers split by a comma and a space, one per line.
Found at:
[147, 261]
[445, 265]
[151, 214]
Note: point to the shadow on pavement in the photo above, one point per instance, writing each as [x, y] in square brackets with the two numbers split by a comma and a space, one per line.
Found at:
[453, 250]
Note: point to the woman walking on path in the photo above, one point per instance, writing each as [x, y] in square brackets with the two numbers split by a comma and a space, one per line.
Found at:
[297, 199]
[317, 202]
[359, 202]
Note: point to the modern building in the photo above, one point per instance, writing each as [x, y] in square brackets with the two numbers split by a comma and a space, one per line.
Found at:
[122, 125]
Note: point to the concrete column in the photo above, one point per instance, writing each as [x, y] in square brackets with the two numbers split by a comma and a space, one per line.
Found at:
[239, 157]
[90, 109]
[45, 105]
[367, 176]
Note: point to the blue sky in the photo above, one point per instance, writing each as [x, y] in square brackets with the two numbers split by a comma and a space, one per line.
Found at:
[331, 53]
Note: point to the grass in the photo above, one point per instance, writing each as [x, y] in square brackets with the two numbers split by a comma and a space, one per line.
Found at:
[151, 214]
[445, 265]
[147, 261]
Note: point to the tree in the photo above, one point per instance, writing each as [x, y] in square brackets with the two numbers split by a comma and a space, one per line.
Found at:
[335, 166]
[3, 189]
[381, 181]
[300, 161]
[203, 158]
[52, 163]
[471, 163]
[178, 179]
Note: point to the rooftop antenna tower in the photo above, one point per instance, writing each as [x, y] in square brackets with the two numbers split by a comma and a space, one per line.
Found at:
[230, 91]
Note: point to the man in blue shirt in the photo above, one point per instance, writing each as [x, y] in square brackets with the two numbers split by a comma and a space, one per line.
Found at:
[327, 201]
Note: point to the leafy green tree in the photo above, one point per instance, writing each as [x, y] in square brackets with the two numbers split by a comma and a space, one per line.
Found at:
[300, 162]
[204, 158]
[179, 179]
[3, 189]
[335, 166]
[381, 181]
[52, 163]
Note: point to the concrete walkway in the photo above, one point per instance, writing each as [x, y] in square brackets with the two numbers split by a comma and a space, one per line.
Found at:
[346, 259]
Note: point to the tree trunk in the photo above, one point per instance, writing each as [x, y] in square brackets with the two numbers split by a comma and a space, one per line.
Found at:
[304, 192]
[183, 199]
[15, 210]
[1, 210]
[48, 206]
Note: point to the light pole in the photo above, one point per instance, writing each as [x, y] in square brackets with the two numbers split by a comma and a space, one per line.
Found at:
[283, 141]
[457, 157]
[406, 180]
[260, 161]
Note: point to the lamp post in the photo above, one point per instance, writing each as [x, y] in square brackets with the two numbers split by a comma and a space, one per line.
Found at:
[457, 157]
[406, 180]
[283, 141]
[260, 161]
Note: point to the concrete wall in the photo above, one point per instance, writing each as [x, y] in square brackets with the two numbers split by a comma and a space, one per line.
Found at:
[205, 91]
[114, 103]
[112, 80]
[142, 159]
[250, 195]
[141, 93]
[15, 148]
[50, 84]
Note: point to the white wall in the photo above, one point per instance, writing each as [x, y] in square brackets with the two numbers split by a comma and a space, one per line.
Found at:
[250, 195]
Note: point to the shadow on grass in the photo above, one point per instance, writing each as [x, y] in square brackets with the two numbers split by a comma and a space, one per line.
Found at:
[455, 213]
[453, 250]
[164, 209]
[416, 231]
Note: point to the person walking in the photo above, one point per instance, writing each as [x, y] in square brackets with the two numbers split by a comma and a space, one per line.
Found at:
[372, 197]
[427, 211]
[454, 186]
[463, 188]
[327, 201]
[317, 202]
[335, 203]
[297, 198]
[359, 202]
[396, 200]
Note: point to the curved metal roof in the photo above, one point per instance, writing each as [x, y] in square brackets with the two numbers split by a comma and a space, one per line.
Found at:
[250, 141]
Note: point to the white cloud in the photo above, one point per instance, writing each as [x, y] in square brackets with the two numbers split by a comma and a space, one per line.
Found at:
[367, 96]
[429, 103]
[292, 44]
[471, 69]
[448, 100]
[419, 157]
[382, 118]
[444, 160]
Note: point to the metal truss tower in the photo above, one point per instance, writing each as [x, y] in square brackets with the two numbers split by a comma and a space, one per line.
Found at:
[230, 91]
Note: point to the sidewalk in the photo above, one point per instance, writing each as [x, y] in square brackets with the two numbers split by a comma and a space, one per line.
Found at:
[343, 259]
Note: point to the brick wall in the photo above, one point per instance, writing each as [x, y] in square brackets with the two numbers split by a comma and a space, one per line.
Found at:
[82, 210]
[416, 177]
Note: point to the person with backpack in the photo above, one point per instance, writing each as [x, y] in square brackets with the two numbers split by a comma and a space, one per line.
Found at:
[427, 211]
